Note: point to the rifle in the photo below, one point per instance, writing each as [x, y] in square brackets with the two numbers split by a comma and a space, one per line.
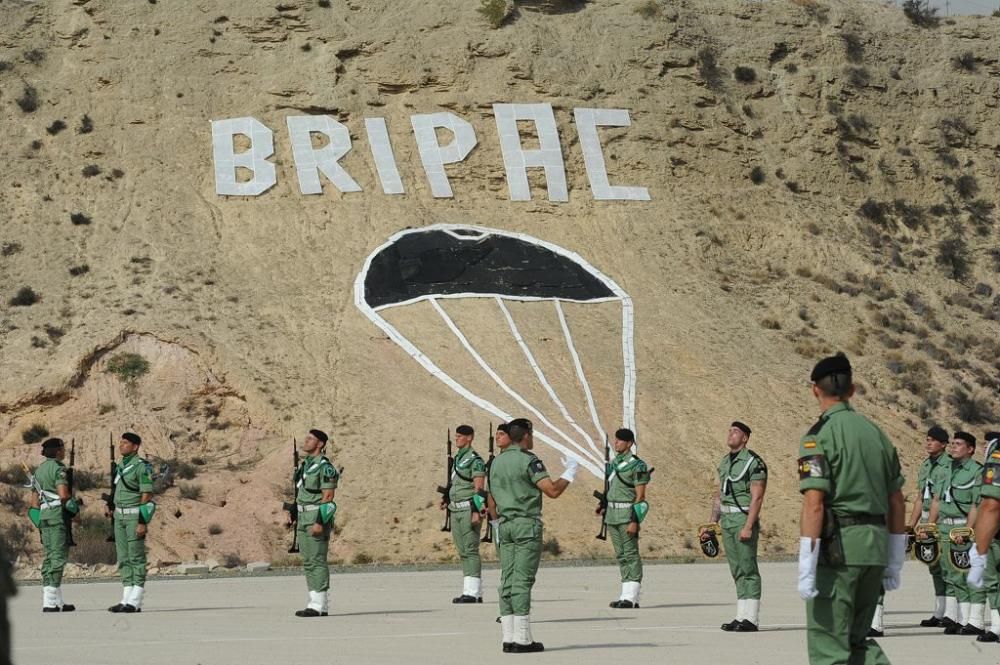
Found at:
[488, 538]
[445, 490]
[602, 497]
[293, 508]
[109, 497]
[67, 516]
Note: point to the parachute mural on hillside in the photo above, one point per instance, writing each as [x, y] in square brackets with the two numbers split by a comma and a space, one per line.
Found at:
[448, 263]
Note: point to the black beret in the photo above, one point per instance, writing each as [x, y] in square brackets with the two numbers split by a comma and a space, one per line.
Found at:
[319, 434]
[523, 423]
[968, 438]
[465, 430]
[741, 426]
[625, 435]
[53, 444]
[838, 364]
[134, 439]
[992, 436]
[503, 427]
[938, 434]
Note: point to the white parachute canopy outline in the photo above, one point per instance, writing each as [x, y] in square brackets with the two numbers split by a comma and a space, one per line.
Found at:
[586, 446]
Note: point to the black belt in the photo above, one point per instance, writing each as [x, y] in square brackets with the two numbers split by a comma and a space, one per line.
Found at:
[861, 520]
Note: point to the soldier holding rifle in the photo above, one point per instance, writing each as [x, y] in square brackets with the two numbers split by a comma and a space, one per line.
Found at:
[132, 508]
[316, 480]
[623, 509]
[52, 509]
[465, 501]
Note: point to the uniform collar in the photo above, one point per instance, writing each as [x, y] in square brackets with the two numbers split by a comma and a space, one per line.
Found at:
[742, 454]
[837, 408]
[512, 446]
[955, 464]
[621, 457]
[130, 458]
[462, 452]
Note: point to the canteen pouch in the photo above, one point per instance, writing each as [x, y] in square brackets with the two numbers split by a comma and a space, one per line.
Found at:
[831, 550]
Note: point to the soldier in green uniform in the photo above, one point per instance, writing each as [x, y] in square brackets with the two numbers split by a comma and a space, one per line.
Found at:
[626, 508]
[851, 481]
[517, 481]
[742, 483]
[134, 508]
[502, 441]
[955, 504]
[985, 555]
[468, 508]
[52, 503]
[929, 475]
[317, 479]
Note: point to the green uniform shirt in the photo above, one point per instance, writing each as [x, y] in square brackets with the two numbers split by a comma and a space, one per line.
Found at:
[50, 474]
[852, 461]
[314, 475]
[468, 466]
[959, 492]
[931, 473]
[736, 472]
[134, 477]
[626, 472]
[991, 473]
[513, 482]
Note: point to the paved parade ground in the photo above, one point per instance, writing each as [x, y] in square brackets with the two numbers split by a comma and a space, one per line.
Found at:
[407, 617]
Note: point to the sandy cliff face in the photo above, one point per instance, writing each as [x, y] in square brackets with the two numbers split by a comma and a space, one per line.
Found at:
[823, 176]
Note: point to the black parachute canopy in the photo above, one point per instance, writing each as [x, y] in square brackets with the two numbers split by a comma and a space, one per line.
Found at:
[435, 262]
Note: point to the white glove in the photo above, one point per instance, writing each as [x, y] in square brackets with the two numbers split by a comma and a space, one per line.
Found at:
[571, 466]
[496, 531]
[977, 568]
[808, 560]
[891, 578]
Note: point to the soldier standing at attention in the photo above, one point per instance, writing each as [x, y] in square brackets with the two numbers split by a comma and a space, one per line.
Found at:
[928, 476]
[955, 504]
[742, 483]
[134, 508]
[986, 551]
[850, 480]
[517, 480]
[627, 507]
[317, 479]
[467, 506]
[55, 498]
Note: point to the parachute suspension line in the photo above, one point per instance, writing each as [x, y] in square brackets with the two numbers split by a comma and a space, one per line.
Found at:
[628, 361]
[579, 370]
[541, 376]
[500, 382]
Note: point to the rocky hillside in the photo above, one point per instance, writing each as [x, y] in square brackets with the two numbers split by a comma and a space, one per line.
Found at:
[823, 175]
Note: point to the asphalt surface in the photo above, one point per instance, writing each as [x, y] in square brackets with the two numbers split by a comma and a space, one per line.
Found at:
[408, 617]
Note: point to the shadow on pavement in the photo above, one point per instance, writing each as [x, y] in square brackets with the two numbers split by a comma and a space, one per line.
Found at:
[611, 618]
[634, 645]
[363, 614]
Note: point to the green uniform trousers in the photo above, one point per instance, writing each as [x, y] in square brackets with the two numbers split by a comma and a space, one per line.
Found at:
[520, 553]
[56, 552]
[742, 556]
[314, 550]
[466, 537]
[131, 551]
[992, 587]
[954, 580]
[838, 619]
[627, 552]
[938, 577]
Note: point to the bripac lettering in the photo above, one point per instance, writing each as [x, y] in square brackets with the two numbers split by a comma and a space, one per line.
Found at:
[316, 167]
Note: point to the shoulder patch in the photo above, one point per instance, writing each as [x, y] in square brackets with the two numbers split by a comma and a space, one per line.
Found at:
[641, 467]
[536, 465]
[329, 471]
[813, 466]
[991, 474]
[814, 430]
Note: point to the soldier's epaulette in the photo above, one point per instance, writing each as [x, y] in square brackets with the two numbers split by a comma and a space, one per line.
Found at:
[814, 430]
[760, 460]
